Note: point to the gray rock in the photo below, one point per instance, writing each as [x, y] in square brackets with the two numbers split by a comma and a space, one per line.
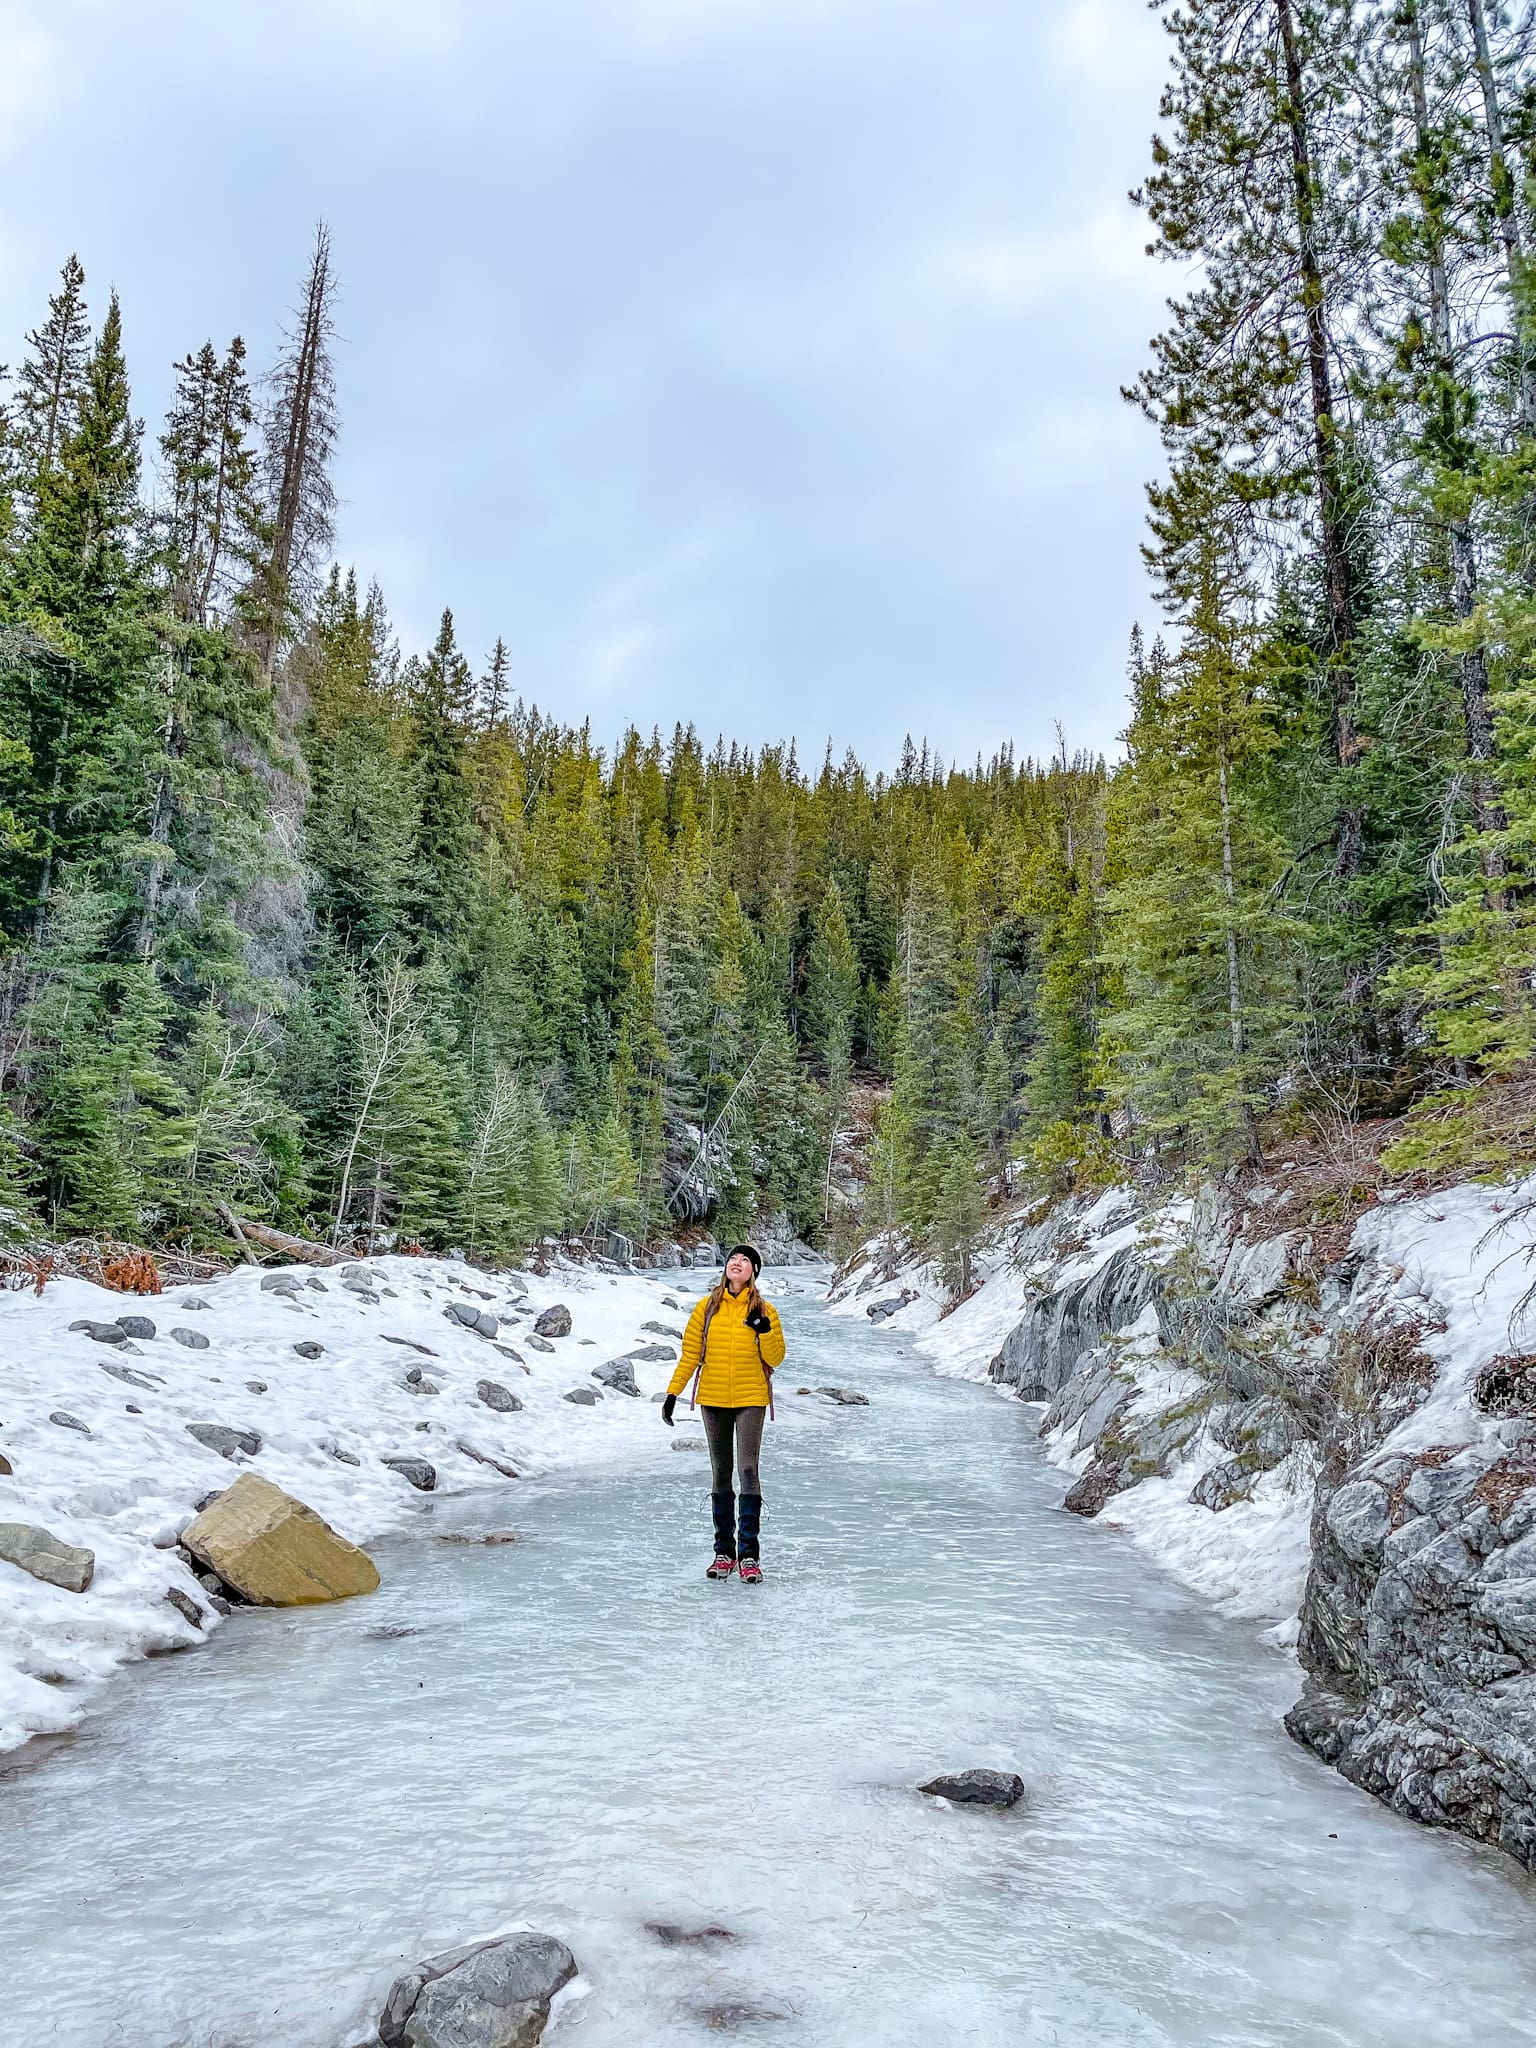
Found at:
[285, 1282]
[618, 1374]
[194, 1301]
[310, 1349]
[418, 1383]
[194, 1340]
[216, 1436]
[342, 1457]
[255, 1386]
[102, 1333]
[1360, 1520]
[663, 1330]
[185, 1606]
[538, 1344]
[410, 1344]
[515, 1356]
[688, 1937]
[63, 1420]
[496, 1396]
[845, 1397]
[652, 1354]
[468, 1317]
[882, 1311]
[416, 1471]
[582, 1396]
[1224, 1486]
[555, 1321]
[369, 1276]
[496, 1994]
[47, 1557]
[129, 1377]
[977, 1788]
[1098, 1485]
[136, 1326]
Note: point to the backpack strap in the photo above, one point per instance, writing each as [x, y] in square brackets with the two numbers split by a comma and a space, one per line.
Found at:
[698, 1370]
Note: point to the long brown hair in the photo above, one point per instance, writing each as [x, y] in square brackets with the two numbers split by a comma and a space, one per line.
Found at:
[722, 1287]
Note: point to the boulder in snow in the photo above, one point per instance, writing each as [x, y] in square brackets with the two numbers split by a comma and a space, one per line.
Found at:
[136, 1326]
[539, 1343]
[217, 1436]
[495, 1994]
[275, 1551]
[654, 1354]
[496, 1396]
[583, 1397]
[977, 1788]
[46, 1556]
[194, 1340]
[285, 1282]
[845, 1397]
[882, 1311]
[416, 1471]
[555, 1321]
[310, 1349]
[468, 1317]
[662, 1330]
[101, 1333]
[618, 1374]
[63, 1420]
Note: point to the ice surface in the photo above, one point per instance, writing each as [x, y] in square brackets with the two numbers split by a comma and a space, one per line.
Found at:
[586, 1736]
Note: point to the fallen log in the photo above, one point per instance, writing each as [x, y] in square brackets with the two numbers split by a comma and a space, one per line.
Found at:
[300, 1248]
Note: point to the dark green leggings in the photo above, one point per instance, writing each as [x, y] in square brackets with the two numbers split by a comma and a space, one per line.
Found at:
[738, 1433]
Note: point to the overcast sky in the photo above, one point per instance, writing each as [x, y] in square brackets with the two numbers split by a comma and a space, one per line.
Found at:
[755, 362]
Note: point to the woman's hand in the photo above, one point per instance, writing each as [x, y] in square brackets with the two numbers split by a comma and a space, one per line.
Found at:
[667, 1407]
[758, 1320]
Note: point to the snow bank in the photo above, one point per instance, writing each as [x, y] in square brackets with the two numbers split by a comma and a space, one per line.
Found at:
[128, 1488]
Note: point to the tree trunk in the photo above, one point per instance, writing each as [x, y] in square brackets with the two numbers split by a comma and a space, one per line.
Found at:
[1235, 1024]
[1325, 446]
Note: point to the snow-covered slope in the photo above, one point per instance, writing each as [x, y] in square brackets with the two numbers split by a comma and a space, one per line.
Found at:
[127, 1483]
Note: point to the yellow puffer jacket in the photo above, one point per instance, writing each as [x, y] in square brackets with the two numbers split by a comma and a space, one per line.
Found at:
[733, 1375]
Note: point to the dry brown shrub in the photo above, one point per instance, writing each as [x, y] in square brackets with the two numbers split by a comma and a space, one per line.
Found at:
[131, 1273]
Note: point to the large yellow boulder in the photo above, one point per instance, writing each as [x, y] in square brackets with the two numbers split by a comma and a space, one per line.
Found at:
[274, 1551]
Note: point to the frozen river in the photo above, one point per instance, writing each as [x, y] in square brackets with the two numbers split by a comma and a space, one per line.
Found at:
[585, 1736]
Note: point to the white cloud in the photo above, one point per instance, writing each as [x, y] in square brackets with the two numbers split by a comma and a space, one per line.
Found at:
[1015, 272]
[1110, 42]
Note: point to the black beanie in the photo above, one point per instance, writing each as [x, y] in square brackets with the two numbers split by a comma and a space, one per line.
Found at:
[749, 1251]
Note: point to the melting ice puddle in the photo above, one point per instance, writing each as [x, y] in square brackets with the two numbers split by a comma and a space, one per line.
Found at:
[587, 1737]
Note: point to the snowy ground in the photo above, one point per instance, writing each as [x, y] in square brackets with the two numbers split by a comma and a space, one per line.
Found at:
[1456, 1263]
[128, 1487]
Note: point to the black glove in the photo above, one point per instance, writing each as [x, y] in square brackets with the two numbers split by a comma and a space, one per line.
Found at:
[758, 1320]
[666, 1410]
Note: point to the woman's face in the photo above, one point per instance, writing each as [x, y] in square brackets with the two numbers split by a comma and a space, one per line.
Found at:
[738, 1271]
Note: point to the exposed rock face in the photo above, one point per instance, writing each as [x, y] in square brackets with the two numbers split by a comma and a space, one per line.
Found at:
[46, 1556]
[274, 1551]
[1419, 1635]
[555, 1322]
[977, 1788]
[495, 1994]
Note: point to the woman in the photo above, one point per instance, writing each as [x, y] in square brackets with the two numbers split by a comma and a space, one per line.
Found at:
[732, 1344]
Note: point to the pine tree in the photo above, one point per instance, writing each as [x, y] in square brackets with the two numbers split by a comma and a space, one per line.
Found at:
[52, 382]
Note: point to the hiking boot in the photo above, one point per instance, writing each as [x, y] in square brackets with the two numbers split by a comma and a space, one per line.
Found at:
[751, 1572]
[722, 1567]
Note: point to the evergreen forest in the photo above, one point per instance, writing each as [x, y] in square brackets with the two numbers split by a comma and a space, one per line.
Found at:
[305, 927]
